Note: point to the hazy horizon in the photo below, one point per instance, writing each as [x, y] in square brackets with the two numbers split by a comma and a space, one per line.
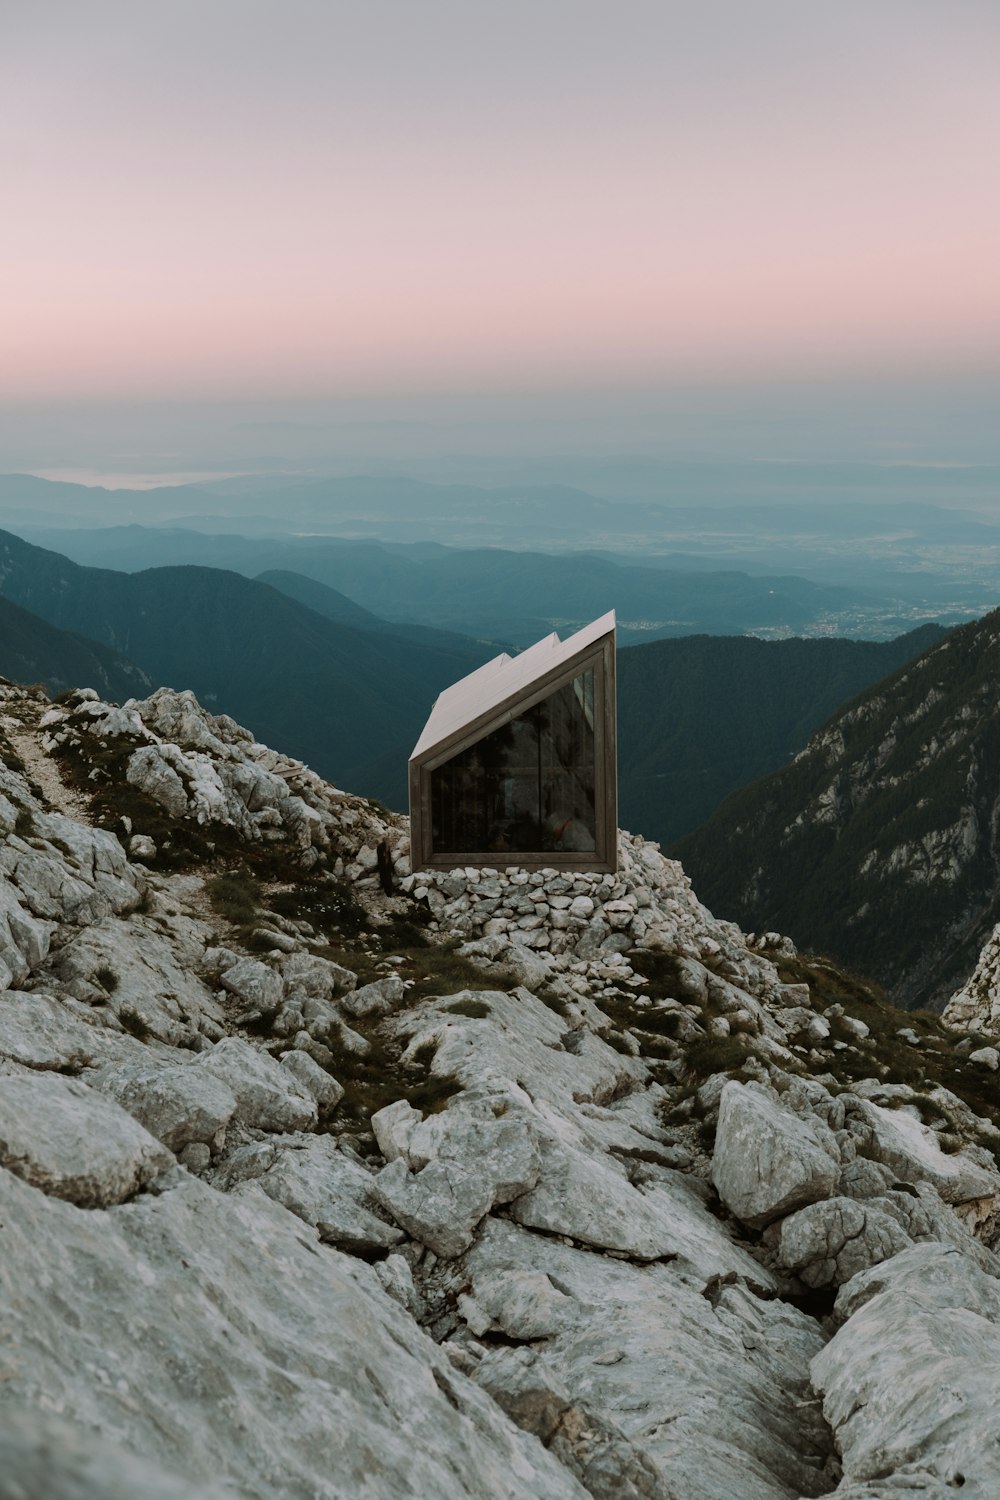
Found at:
[246, 237]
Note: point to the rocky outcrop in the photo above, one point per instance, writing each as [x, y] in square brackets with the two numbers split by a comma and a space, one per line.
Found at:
[975, 1007]
[529, 1184]
[170, 761]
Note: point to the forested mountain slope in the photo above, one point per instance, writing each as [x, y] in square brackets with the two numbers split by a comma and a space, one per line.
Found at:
[488, 591]
[701, 716]
[31, 650]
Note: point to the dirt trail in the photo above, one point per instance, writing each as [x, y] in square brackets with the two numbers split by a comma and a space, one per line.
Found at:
[26, 740]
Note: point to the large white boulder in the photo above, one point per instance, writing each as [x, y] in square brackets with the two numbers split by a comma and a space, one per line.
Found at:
[71, 1142]
[768, 1161]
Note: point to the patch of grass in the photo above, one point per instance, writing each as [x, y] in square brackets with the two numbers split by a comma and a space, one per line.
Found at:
[477, 1010]
[444, 971]
[330, 906]
[106, 978]
[379, 1078]
[99, 771]
[61, 845]
[404, 932]
[934, 1062]
[831, 984]
[236, 895]
[12, 760]
[432, 969]
[657, 1030]
[552, 1001]
[616, 1041]
[714, 1054]
[24, 825]
[661, 970]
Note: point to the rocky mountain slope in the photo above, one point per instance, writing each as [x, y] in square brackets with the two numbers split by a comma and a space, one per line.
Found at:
[879, 843]
[320, 1177]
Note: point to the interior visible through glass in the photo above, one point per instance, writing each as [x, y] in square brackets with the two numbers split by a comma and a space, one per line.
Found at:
[528, 788]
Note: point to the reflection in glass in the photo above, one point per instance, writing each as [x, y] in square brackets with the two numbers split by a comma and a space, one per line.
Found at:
[527, 788]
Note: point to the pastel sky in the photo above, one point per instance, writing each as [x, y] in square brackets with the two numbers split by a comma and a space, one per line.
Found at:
[302, 198]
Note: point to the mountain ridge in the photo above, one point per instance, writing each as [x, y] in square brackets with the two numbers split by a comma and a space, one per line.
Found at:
[878, 844]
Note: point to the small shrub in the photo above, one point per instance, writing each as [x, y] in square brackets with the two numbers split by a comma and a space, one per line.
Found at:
[715, 1054]
[106, 978]
[24, 825]
[235, 896]
[329, 906]
[134, 1024]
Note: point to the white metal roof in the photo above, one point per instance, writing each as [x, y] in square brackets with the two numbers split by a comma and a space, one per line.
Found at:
[497, 680]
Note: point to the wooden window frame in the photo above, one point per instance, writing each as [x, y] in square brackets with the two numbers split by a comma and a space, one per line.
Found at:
[603, 859]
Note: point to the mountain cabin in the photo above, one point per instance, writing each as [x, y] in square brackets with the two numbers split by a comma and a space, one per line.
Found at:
[516, 764]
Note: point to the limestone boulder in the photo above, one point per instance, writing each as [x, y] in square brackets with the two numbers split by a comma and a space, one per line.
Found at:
[43, 1457]
[315, 1080]
[909, 1382]
[43, 1031]
[71, 1142]
[258, 987]
[145, 975]
[912, 1152]
[178, 1105]
[440, 1206]
[228, 1346]
[768, 1160]
[268, 1096]
[455, 1163]
[375, 999]
[310, 974]
[704, 1380]
[318, 1183]
[592, 1447]
[827, 1243]
[520, 1304]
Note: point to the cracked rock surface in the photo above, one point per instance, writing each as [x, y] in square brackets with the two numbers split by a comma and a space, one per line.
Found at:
[323, 1179]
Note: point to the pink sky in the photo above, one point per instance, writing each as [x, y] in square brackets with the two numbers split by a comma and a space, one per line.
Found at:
[242, 197]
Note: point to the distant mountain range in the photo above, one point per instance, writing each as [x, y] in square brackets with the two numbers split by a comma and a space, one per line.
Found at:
[485, 592]
[880, 843]
[897, 531]
[316, 674]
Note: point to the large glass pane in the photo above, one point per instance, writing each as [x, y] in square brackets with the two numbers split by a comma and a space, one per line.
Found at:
[527, 788]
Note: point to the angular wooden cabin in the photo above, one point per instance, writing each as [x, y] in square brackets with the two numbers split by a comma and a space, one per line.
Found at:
[517, 765]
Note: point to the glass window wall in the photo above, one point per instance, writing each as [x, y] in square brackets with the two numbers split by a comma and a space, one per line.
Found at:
[527, 788]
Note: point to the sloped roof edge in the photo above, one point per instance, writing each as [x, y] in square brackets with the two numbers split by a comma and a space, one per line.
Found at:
[501, 678]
